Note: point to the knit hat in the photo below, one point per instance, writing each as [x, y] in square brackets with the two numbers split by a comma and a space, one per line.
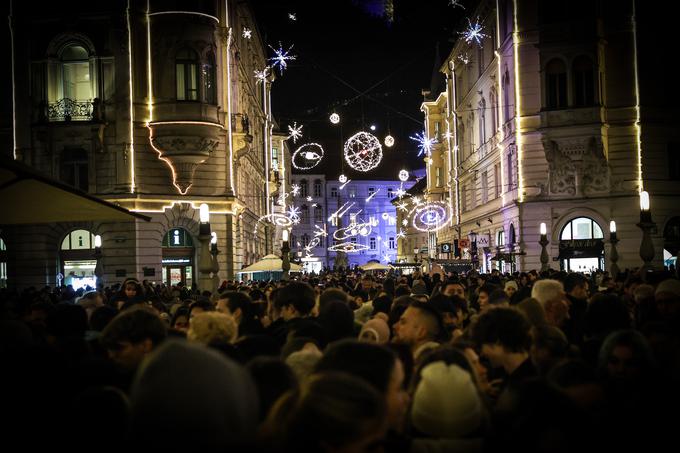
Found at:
[419, 288]
[379, 328]
[511, 284]
[671, 286]
[446, 403]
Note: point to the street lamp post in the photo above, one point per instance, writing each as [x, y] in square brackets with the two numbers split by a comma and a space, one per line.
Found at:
[614, 254]
[98, 269]
[285, 256]
[646, 225]
[214, 251]
[544, 252]
[473, 249]
[205, 264]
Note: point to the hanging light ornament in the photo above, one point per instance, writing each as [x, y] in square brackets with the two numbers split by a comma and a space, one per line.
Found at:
[294, 131]
[247, 33]
[474, 33]
[424, 143]
[281, 57]
[430, 216]
[389, 141]
[307, 156]
[363, 151]
[335, 118]
[342, 179]
[403, 175]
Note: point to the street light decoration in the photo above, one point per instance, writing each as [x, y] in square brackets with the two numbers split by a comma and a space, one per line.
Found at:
[363, 151]
[307, 156]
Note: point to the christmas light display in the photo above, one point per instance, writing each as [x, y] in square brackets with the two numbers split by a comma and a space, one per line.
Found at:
[464, 58]
[277, 219]
[294, 214]
[385, 216]
[335, 118]
[292, 16]
[430, 216]
[342, 179]
[363, 151]
[389, 141]
[403, 175]
[295, 189]
[348, 247]
[400, 192]
[344, 184]
[474, 33]
[424, 143]
[281, 57]
[294, 131]
[404, 222]
[247, 33]
[309, 198]
[455, 3]
[261, 76]
[307, 156]
[370, 197]
[401, 233]
[402, 206]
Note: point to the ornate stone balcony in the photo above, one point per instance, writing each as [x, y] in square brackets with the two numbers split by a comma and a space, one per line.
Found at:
[184, 145]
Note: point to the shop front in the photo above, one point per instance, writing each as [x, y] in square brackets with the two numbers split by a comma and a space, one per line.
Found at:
[178, 258]
[581, 247]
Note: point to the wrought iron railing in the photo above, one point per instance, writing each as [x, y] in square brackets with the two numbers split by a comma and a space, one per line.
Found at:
[70, 110]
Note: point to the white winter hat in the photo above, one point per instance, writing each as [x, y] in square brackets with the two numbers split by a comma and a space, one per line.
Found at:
[446, 403]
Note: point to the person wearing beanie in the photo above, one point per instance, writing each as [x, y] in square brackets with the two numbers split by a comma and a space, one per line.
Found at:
[667, 297]
[375, 330]
[446, 404]
[510, 289]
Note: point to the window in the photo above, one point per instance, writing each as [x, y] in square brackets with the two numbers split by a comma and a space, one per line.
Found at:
[500, 238]
[391, 242]
[74, 168]
[480, 60]
[317, 188]
[209, 80]
[485, 187]
[463, 199]
[437, 127]
[508, 167]
[581, 228]
[305, 240]
[390, 193]
[318, 214]
[352, 192]
[304, 214]
[334, 192]
[584, 84]
[78, 240]
[186, 73]
[177, 237]
[497, 180]
[391, 221]
[334, 220]
[513, 239]
[275, 158]
[438, 177]
[482, 122]
[556, 84]
[371, 191]
[75, 73]
[494, 112]
[506, 96]
[372, 243]
[353, 217]
[473, 193]
[303, 188]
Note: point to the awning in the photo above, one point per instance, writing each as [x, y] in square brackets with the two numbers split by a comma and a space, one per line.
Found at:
[270, 263]
[29, 197]
[373, 266]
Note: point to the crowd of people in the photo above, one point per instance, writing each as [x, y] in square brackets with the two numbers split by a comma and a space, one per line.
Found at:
[347, 362]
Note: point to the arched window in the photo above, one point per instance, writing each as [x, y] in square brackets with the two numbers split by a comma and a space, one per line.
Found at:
[493, 98]
[75, 72]
[584, 82]
[461, 141]
[209, 79]
[480, 60]
[78, 240]
[513, 238]
[556, 84]
[303, 188]
[186, 73]
[506, 96]
[177, 237]
[318, 214]
[581, 228]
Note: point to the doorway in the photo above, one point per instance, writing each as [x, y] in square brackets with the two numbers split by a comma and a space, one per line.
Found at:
[178, 258]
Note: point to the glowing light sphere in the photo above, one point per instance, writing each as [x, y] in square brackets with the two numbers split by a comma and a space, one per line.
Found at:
[385, 216]
[342, 179]
[335, 118]
[389, 141]
[431, 216]
[372, 127]
[363, 231]
[307, 156]
[363, 151]
[403, 175]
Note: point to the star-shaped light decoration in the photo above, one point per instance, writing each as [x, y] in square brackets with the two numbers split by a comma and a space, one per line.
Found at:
[295, 189]
[247, 33]
[400, 192]
[424, 143]
[309, 198]
[455, 3]
[281, 57]
[401, 233]
[402, 206]
[464, 58]
[294, 213]
[292, 16]
[295, 131]
[416, 200]
[474, 33]
[404, 222]
[261, 76]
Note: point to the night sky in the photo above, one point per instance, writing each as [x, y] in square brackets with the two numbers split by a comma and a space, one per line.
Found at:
[354, 60]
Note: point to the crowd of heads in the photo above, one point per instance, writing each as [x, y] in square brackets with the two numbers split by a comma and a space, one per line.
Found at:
[347, 361]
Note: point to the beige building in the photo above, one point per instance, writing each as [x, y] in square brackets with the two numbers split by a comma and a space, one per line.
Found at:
[156, 109]
[543, 122]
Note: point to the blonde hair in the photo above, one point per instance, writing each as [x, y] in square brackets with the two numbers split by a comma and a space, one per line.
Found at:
[212, 327]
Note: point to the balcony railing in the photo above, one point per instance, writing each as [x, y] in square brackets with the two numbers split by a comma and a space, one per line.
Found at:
[70, 110]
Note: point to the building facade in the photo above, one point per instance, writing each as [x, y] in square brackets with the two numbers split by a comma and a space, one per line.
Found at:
[544, 121]
[358, 213]
[154, 108]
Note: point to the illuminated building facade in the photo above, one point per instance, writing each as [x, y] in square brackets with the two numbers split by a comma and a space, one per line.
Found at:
[543, 122]
[154, 106]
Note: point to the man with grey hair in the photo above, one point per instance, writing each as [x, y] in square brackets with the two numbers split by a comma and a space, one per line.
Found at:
[550, 294]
